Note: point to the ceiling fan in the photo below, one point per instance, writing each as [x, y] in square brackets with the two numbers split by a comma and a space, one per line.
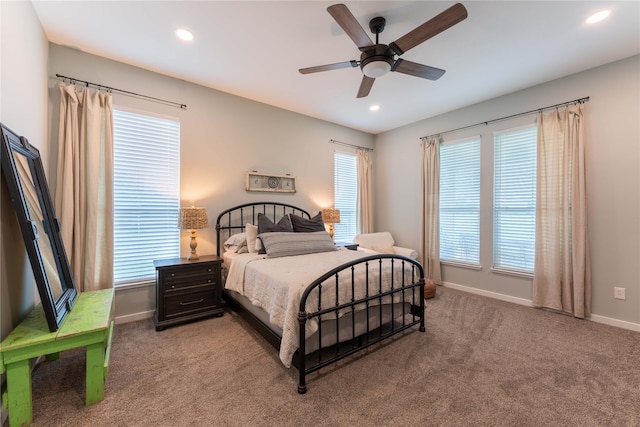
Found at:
[377, 59]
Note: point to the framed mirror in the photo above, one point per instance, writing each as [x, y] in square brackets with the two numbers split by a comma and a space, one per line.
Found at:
[24, 174]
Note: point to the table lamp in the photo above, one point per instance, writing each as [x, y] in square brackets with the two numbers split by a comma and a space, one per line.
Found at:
[331, 216]
[193, 219]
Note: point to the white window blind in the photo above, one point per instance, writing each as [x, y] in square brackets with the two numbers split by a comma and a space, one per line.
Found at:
[460, 201]
[345, 196]
[146, 194]
[514, 199]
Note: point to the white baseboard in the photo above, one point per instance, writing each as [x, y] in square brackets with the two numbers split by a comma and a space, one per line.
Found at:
[133, 317]
[495, 295]
[615, 322]
[523, 301]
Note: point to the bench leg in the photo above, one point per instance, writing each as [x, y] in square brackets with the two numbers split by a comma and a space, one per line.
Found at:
[95, 373]
[19, 393]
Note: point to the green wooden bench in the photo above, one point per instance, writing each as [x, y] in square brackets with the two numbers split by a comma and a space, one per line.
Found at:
[89, 324]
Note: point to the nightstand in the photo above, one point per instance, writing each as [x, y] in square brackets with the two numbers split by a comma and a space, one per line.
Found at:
[350, 246]
[187, 290]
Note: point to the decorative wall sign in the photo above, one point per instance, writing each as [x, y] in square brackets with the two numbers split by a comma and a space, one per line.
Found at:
[256, 181]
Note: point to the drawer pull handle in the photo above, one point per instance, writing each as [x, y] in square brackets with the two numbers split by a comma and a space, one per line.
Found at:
[173, 274]
[209, 270]
[192, 302]
[209, 281]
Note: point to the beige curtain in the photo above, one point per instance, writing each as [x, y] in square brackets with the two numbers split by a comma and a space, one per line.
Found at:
[84, 186]
[365, 209]
[562, 274]
[430, 207]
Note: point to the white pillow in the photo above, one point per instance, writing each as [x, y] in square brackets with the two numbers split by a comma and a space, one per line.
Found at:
[252, 236]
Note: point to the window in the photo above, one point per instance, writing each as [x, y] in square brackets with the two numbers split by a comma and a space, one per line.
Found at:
[146, 194]
[460, 201]
[345, 196]
[514, 199]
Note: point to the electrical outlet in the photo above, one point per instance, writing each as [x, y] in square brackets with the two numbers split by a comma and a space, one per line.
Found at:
[619, 293]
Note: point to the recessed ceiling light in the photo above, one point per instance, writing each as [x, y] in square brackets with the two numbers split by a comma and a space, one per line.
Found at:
[597, 17]
[183, 34]
[374, 108]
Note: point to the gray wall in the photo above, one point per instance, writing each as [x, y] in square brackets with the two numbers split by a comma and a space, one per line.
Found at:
[222, 137]
[613, 183]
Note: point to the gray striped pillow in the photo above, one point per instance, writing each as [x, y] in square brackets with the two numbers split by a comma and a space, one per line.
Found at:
[279, 244]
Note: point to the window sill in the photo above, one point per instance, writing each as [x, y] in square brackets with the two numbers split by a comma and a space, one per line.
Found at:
[507, 272]
[135, 284]
[462, 265]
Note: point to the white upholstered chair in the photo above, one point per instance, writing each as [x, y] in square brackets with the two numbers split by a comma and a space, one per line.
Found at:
[383, 242]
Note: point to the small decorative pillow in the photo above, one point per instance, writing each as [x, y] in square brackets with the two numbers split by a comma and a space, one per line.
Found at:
[252, 235]
[303, 225]
[236, 243]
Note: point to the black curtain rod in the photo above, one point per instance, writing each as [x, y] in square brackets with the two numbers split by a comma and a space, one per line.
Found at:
[126, 92]
[575, 101]
[333, 141]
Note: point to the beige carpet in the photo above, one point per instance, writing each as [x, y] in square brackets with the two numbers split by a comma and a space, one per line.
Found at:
[481, 362]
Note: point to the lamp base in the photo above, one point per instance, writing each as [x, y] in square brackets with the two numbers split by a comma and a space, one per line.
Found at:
[193, 244]
[331, 230]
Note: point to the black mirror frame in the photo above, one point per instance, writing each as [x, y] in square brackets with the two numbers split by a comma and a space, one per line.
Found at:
[55, 309]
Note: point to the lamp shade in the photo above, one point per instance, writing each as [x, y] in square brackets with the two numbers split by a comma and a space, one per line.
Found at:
[193, 218]
[331, 216]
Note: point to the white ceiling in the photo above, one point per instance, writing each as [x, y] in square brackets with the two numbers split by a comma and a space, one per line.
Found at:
[254, 49]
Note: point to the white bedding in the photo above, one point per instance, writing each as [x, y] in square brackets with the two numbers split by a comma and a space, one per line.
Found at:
[276, 285]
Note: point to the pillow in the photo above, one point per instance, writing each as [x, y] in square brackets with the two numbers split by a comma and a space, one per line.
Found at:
[383, 249]
[289, 244]
[252, 233]
[265, 225]
[303, 225]
[236, 243]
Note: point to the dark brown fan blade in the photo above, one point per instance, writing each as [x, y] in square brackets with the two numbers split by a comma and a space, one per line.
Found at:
[414, 69]
[328, 67]
[365, 86]
[432, 27]
[350, 25]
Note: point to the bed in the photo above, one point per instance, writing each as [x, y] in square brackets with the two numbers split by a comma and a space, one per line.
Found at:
[312, 301]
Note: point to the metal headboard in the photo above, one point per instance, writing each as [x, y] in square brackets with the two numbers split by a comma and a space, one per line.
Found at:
[233, 220]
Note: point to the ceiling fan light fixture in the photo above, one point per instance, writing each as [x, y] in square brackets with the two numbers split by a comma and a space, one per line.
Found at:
[375, 69]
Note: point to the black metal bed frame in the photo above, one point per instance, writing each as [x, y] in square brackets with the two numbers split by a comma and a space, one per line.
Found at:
[407, 287]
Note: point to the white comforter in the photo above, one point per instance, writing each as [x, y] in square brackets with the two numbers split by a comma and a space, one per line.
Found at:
[276, 285]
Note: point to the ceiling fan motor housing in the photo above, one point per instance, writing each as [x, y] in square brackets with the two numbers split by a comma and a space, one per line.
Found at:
[376, 61]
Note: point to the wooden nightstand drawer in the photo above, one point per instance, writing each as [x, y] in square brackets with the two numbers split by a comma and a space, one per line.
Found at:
[174, 279]
[187, 290]
[188, 303]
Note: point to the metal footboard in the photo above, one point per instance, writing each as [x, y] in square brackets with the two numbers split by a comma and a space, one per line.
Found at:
[388, 279]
